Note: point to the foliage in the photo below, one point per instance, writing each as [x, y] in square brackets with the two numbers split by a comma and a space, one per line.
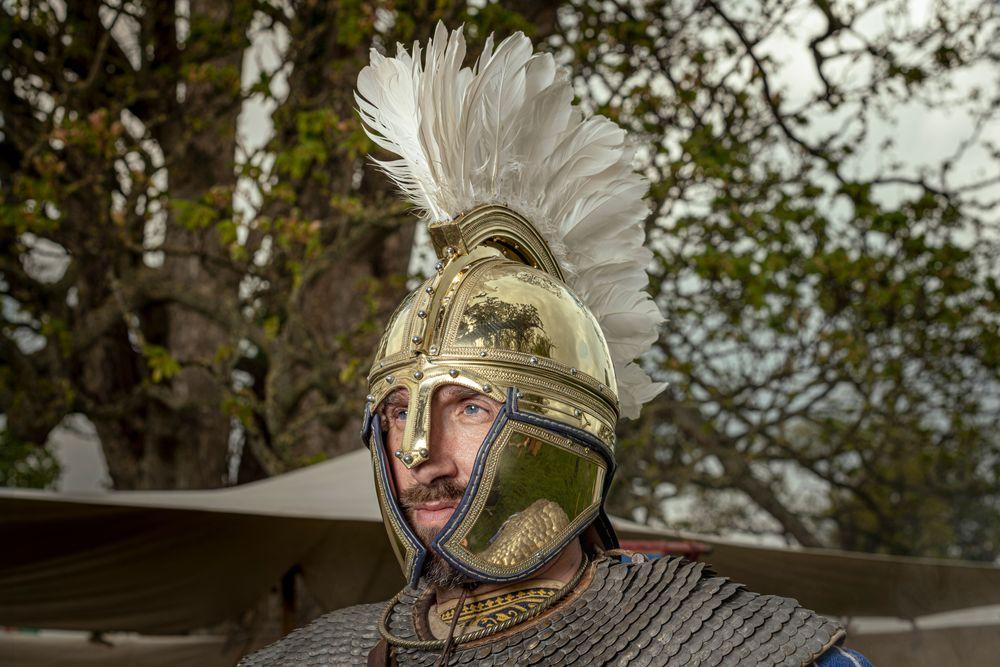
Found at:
[832, 338]
[25, 464]
[166, 275]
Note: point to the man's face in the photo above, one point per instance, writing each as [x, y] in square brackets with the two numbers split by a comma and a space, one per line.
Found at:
[429, 493]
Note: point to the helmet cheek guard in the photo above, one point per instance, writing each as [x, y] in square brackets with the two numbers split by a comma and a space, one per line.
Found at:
[535, 486]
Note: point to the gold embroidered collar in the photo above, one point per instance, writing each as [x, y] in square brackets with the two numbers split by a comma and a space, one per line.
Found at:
[489, 609]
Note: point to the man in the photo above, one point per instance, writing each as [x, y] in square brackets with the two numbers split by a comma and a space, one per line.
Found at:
[497, 386]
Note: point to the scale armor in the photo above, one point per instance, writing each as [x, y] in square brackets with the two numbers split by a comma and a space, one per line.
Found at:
[669, 612]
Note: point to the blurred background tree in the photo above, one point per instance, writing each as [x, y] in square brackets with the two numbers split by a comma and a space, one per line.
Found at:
[207, 304]
[210, 300]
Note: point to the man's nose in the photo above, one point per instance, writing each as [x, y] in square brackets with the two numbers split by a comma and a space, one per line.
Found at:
[441, 462]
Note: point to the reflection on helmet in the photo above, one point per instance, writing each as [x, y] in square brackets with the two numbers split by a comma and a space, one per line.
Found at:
[522, 534]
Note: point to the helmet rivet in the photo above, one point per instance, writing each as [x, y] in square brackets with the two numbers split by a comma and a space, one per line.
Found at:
[439, 267]
[533, 360]
[487, 388]
[578, 412]
[482, 353]
[370, 398]
[429, 290]
[398, 453]
[434, 349]
[453, 373]
[421, 314]
[417, 375]
[422, 452]
[416, 339]
[407, 459]
[573, 371]
[450, 250]
[519, 394]
[390, 379]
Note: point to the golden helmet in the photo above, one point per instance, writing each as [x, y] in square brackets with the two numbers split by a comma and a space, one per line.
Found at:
[497, 318]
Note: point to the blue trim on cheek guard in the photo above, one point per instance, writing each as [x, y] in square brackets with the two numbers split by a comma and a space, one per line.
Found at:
[510, 412]
[371, 433]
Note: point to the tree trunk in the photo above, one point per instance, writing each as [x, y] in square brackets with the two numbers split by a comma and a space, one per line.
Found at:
[180, 441]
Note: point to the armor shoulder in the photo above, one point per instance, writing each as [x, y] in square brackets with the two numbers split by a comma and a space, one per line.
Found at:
[342, 637]
[675, 612]
[702, 619]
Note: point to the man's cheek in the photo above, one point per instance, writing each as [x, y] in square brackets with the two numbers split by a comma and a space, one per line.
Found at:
[400, 481]
[467, 461]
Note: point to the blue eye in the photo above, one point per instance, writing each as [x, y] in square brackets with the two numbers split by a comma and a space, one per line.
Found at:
[401, 415]
[472, 409]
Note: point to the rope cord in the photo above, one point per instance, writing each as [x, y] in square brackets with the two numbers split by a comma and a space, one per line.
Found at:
[450, 643]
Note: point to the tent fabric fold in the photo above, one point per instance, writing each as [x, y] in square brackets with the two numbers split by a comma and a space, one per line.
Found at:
[164, 562]
[846, 583]
[74, 650]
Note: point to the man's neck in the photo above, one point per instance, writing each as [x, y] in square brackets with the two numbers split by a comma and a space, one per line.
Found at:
[561, 569]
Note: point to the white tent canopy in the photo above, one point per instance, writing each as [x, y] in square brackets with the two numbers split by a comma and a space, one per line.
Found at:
[170, 561]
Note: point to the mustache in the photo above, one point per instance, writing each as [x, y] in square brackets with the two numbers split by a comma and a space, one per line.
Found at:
[439, 489]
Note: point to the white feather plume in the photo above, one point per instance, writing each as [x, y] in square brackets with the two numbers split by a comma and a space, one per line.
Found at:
[505, 131]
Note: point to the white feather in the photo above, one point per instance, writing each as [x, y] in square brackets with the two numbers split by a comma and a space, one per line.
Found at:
[505, 131]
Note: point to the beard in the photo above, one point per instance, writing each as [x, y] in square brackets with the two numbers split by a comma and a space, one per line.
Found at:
[437, 572]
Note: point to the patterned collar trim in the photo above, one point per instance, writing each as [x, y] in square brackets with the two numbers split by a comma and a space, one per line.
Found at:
[492, 608]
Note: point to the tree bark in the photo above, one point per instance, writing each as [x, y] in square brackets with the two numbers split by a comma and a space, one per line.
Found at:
[181, 439]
